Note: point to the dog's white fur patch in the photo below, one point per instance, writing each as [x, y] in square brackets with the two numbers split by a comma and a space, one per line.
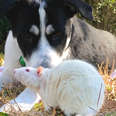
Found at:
[49, 29]
[34, 29]
[74, 86]
[36, 1]
[42, 14]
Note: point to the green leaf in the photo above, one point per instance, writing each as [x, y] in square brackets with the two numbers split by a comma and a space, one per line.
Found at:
[21, 61]
[113, 1]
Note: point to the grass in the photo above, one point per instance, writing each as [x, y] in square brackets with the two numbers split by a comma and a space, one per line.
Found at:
[1, 59]
[12, 90]
[110, 82]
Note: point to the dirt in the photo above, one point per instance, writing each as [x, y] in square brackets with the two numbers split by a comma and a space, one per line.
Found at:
[109, 106]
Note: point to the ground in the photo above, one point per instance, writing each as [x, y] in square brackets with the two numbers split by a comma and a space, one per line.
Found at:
[109, 107]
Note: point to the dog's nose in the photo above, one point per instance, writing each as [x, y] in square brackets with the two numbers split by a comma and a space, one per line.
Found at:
[45, 62]
[45, 65]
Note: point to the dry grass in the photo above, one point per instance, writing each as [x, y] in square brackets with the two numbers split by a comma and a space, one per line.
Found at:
[110, 81]
[14, 89]
[1, 59]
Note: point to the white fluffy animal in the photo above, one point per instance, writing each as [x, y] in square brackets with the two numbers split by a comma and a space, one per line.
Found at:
[74, 85]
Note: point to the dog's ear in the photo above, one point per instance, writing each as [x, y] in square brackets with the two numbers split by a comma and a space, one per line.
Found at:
[19, 13]
[78, 5]
[5, 6]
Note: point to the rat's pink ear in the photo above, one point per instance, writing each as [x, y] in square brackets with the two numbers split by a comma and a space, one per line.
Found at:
[39, 71]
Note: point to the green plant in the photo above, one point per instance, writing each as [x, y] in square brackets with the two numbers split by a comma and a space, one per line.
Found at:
[104, 12]
[3, 114]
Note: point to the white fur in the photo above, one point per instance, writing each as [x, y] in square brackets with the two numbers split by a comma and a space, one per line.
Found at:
[37, 1]
[34, 29]
[73, 85]
[49, 29]
[42, 19]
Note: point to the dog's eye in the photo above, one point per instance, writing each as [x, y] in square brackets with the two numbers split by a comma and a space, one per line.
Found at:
[56, 38]
[56, 35]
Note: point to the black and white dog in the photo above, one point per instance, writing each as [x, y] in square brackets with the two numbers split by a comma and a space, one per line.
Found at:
[46, 32]
[41, 32]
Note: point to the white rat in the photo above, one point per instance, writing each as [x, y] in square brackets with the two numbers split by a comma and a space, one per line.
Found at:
[74, 85]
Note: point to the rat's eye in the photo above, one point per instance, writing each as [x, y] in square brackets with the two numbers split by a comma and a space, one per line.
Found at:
[27, 70]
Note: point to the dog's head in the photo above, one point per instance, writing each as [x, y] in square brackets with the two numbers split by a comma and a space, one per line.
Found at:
[43, 27]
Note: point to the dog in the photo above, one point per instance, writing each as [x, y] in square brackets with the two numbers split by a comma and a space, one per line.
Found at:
[39, 36]
[74, 86]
